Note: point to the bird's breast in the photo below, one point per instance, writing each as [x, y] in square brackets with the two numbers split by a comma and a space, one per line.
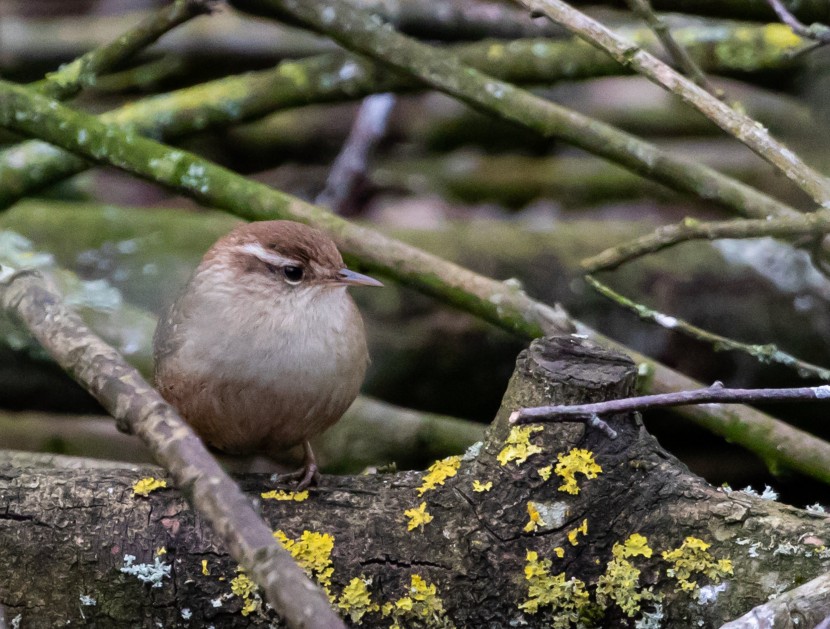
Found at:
[267, 377]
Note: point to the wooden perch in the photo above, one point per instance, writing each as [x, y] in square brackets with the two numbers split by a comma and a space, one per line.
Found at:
[582, 528]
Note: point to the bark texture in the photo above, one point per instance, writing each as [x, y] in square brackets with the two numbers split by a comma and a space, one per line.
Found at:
[65, 532]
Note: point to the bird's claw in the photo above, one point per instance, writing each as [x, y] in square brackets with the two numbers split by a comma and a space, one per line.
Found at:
[307, 475]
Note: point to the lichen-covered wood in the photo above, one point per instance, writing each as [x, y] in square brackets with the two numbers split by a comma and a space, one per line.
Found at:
[548, 526]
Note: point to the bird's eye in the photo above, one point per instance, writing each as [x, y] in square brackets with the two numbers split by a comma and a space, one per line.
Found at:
[293, 274]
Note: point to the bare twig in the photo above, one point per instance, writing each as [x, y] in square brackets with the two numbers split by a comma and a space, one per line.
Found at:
[350, 166]
[733, 122]
[818, 32]
[716, 393]
[139, 409]
[681, 57]
[767, 353]
[814, 224]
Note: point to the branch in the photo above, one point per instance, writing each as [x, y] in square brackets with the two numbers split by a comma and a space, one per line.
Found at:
[733, 122]
[678, 53]
[499, 303]
[337, 77]
[350, 166]
[83, 71]
[361, 32]
[496, 302]
[819, 33]
[815, 224]
[139, 409]
[767, 353]
[805, 601]
[717, 393]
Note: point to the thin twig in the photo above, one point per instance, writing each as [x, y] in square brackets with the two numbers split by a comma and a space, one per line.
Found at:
[767, 353]
[140, 410]
[814, 224]
[818, 32]
[350, 166]
[644, 9]
[717, 393]
[733, 122]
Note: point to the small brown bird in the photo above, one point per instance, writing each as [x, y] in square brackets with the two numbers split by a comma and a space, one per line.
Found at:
[264, 348]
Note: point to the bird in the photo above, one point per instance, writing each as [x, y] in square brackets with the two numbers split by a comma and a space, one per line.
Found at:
[264, 348]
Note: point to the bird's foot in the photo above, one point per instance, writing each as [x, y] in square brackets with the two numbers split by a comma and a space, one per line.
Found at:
[307, 475]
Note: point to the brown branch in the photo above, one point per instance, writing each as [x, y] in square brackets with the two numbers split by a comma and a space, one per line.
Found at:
[716, 393]
[139, 409]
[350, 166]
[733, 122]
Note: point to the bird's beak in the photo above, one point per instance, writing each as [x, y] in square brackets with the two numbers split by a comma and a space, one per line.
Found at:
[351, 278]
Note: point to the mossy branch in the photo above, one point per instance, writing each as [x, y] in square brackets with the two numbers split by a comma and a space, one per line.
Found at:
[497, 302]
[733, 122]
[336, 77]
[767, 353]
[70, 78]
[501, 304]
[366, 33]
[815, 224]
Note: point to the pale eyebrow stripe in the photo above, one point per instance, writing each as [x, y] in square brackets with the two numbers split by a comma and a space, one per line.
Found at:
[269, 257]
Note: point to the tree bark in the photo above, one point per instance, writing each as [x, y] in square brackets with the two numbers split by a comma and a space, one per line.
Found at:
[65, 532]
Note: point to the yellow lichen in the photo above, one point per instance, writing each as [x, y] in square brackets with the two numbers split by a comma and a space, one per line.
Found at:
[636, 544]
[417, 517]
[205, 570]
[161, 550]
[545, 472]
[422, 607]
[495, 52]
[621, 581]
[295, 72]
[781, 36]
[535, 518]
[244, 588]
[567, 598]
[274, 494]
[356, 600]
[144, 486]
[438, 472]
[621, 584]
[573, 536]
[517, 447]
[577, 461]
[479, 487]
[312, 551]
[693, 558]
[559, 552]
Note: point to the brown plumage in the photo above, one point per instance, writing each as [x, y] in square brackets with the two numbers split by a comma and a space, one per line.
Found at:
[264, 348]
